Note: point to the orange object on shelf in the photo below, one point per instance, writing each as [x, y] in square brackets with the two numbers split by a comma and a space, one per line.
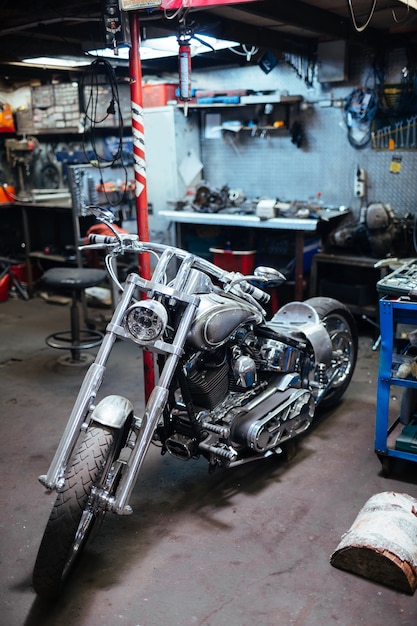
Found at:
[110, 186]
[7, 194]
[107, 187]
[6, 119]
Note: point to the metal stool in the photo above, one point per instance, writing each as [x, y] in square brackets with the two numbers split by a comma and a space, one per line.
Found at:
[73, 280]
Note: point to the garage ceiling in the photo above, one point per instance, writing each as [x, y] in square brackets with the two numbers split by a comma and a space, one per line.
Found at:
[48, 27]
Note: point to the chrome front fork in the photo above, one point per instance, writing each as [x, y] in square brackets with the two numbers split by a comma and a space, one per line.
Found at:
[55, 478]
[152, 415]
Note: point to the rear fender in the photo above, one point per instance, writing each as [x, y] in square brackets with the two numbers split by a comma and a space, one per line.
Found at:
[300, 317]
[112, 411]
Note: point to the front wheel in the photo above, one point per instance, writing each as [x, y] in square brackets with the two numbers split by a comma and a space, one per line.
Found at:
[74, 513]
[341, 327]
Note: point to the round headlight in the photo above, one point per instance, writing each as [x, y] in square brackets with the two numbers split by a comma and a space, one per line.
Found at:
[146, 321]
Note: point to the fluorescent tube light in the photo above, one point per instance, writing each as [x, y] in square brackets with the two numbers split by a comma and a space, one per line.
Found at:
[56, 62]
[161, 47]
[157, 48]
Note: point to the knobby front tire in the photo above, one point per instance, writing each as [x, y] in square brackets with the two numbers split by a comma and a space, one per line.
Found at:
[72, 518]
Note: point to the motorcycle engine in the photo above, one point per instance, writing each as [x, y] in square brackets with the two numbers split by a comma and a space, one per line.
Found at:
[246, 397]
[208, 378]
[271, 419]
[211, 375]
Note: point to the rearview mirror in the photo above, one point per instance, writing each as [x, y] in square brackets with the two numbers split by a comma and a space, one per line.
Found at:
[269, 275]
[102, 213]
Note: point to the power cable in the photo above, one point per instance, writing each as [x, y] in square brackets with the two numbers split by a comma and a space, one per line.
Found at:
[181, 11]
[247, 52]
[360, 29]
[91, 85]
[405, 18]
[360, 109]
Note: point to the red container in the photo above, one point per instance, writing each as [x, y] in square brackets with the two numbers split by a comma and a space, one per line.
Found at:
[20, 271]
[4, 287]
[158, 94]
[242, 261]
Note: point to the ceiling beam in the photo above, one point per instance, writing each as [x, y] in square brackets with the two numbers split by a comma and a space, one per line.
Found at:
[248, 34]
[306, 16]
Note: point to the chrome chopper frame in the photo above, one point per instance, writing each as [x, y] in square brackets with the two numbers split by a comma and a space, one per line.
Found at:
[144, 322]
[116, 411]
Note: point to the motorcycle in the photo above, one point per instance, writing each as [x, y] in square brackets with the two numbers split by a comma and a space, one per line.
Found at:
[231, 387]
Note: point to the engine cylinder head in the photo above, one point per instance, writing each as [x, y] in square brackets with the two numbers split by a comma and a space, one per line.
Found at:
[244, 369]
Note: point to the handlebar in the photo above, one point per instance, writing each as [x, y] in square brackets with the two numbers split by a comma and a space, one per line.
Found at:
[255, 292]
[102, 239]
[131, 243]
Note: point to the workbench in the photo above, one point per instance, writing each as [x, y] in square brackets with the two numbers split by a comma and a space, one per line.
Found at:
[254, 229]
[349, 278]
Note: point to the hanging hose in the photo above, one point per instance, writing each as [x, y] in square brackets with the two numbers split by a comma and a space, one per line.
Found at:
[360, 109]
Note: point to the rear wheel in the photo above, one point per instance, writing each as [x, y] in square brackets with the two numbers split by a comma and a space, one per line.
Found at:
[341, 327]
[74, 513]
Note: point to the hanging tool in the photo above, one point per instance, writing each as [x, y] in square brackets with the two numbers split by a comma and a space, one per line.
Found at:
[401, 135]
[411, 132]
[397, 134]
[184, 63]
[386, 135]
[184, 36]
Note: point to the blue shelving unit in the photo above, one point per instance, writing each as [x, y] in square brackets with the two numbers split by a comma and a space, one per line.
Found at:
[395, 317]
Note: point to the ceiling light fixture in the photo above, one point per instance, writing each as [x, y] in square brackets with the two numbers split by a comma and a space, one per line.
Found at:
[150, 49]
[55, 62]
[162, 47]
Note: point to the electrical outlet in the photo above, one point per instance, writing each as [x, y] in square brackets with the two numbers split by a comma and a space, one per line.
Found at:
[360, 183]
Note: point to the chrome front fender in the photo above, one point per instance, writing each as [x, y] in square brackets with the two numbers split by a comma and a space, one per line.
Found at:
[112, 411]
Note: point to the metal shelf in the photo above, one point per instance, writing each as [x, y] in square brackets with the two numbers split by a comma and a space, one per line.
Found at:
[388, 426]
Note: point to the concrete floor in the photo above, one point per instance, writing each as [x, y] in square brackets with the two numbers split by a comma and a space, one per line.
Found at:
[248, 546]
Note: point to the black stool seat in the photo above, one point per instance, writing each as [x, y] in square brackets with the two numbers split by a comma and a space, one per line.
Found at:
[73, 280]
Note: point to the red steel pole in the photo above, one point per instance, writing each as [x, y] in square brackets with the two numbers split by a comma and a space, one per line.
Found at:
[141, 196]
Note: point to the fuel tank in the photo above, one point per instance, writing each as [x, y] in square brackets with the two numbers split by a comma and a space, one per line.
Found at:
[217, 318]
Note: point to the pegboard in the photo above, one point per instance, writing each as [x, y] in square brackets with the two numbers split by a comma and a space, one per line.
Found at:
[272, 166]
